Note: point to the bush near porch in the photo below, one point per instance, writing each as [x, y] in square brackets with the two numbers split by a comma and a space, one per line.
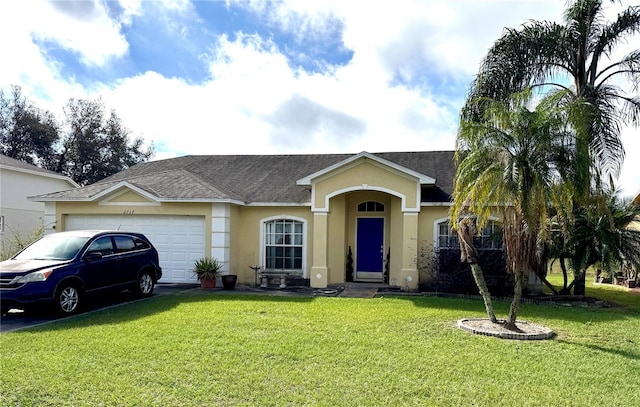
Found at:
[451, 276]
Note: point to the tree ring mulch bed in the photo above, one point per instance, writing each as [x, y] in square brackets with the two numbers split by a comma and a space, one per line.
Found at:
[527, 331]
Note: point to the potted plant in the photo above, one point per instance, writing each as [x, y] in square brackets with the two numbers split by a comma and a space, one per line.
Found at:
[207, 269]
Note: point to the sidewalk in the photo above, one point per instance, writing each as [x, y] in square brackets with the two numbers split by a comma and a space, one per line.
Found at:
[348, 290]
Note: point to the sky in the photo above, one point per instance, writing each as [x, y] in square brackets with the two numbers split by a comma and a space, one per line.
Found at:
[270, 77]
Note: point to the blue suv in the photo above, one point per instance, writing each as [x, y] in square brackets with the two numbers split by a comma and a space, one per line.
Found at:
[63, 268]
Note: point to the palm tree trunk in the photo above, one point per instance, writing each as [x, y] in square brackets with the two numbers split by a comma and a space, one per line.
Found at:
[515, 302]
[548, 284]
[579, 283]
[484, 291]
[468, 254]
[565, 289]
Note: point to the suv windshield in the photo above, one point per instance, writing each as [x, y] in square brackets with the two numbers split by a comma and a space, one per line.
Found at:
[53, 247]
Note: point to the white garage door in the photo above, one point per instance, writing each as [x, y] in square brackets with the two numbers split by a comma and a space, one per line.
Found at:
[179, 239]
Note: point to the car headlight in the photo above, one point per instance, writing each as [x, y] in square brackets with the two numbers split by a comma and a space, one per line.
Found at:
[40, 275]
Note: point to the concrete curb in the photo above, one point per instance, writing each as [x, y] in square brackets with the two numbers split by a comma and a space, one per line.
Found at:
[483, 326]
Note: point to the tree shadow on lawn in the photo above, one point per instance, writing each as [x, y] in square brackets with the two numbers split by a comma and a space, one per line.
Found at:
[529, 311]
[467, 307]
[157, 304]
[615, 352]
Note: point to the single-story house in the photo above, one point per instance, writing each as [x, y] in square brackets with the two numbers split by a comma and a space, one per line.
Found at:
[20, 218]
[327, 218]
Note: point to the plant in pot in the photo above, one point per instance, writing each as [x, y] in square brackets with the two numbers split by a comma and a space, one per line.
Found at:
[207, 269]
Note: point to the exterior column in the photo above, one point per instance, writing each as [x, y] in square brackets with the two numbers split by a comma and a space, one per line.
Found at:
[220, 234]
[319, 275]
[409, 278]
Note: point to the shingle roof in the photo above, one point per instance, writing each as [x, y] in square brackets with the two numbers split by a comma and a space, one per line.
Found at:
[256, 178]
[18, 165]
[9, 162]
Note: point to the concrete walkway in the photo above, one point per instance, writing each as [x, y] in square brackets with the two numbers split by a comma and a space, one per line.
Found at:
[361, 290]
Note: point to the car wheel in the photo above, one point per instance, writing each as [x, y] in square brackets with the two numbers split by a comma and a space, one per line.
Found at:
[68, 299]
[145, 285]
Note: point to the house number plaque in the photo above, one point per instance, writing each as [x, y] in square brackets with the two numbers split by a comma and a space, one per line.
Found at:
[128, 212]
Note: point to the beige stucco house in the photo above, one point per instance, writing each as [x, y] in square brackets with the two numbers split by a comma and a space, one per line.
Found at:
[19, 216]
[300, 214]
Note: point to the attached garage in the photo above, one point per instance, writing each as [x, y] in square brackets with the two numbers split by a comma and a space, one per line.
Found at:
[178, 239]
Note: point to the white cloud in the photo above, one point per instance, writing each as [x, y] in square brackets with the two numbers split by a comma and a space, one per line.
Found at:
[255, 102]
[81, 27]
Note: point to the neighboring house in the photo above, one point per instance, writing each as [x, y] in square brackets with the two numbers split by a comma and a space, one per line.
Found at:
[300, 214]
[20, 217]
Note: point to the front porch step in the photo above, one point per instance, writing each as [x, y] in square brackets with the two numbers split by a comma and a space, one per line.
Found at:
[355, 290]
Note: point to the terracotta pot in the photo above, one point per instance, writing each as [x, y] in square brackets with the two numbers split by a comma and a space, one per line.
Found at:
[207, 284]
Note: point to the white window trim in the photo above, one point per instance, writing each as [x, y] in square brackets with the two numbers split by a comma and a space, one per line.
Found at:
[304, 239]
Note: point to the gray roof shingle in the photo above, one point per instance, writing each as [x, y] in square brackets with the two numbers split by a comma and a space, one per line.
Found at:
[256, 178]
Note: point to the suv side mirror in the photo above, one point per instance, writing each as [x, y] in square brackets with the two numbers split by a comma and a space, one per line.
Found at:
[92, 256]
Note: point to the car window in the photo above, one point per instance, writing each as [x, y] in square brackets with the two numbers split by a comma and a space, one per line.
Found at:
[140, 244]
[124, 244]
[53, 247]
[103, 245]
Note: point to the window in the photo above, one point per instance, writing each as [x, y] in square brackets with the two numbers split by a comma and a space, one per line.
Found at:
[490, 238]
[102, 245]
[124, 244]
[140, 244]
[283, 245]
[370, 206]
[446, 236]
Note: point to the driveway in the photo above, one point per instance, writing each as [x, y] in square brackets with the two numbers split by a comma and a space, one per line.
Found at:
[16, 320]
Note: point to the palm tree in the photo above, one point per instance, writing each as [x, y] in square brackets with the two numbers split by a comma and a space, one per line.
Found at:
[604, 238]
[574, 58]
[545, 55]
[506, 165]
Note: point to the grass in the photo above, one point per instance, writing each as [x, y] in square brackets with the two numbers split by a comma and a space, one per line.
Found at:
[206, 349]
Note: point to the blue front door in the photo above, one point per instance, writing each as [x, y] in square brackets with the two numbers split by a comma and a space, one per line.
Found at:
[369, 248]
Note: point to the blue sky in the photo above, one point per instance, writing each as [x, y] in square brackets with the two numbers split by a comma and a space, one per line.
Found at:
[276, 77]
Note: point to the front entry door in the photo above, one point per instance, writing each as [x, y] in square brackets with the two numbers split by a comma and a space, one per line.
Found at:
[370, 249]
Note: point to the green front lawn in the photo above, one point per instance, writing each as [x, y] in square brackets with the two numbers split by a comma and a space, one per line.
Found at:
[206, 349]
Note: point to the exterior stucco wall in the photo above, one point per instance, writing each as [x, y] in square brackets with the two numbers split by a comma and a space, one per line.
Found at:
[127, 196]
[365, 175]
[428, 216]
[246, 236]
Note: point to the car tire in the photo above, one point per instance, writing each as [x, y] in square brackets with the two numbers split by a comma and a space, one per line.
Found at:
[145, 285]
[68, 299]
